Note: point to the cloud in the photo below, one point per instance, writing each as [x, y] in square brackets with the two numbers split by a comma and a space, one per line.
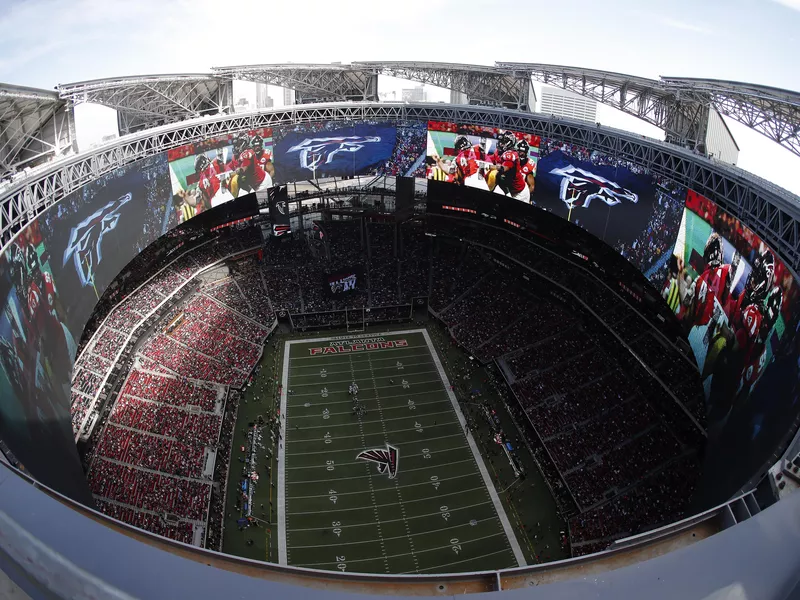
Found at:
[691, 27]
[793, 4]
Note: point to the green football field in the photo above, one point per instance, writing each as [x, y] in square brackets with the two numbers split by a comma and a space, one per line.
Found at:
[439, 513]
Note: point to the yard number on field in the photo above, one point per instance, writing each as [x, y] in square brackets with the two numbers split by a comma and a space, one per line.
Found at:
[337, 528]
[327, 437]
[333, 497]
[435, 481]
[443, 509]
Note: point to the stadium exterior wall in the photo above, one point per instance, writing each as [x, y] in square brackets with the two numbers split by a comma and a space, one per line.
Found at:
[771, 212]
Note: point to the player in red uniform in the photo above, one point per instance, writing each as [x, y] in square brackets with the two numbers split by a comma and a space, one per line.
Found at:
[509, 178]
[219, 162]
[208, 182]
[526, 164]
[742, 341]
[469, 158]
[251, 176]
[714, 283]
[263, 157]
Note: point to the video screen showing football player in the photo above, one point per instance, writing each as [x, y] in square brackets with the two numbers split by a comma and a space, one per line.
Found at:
[263, 157]
[251, 176]
[509, 178]
[527, 166]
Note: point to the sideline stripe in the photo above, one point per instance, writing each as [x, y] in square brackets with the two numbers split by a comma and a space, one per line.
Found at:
[501, 513]
[282, 555]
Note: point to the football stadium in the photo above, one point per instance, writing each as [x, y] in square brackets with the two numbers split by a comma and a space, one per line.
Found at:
[358, 346]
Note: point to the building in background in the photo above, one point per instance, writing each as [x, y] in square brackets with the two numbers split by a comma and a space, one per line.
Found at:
[719, 139]
[415, 94]
[457, 97]
[288, 97]
[562, 103]
[263, 100]
[242, 105]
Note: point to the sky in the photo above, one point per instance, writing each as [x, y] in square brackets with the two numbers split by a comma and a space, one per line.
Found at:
[47, 42]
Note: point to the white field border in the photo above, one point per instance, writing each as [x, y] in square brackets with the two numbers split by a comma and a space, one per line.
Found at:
[501, 513]
[282, 554]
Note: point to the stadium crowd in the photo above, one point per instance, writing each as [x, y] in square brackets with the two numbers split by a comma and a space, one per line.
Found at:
[604, 432]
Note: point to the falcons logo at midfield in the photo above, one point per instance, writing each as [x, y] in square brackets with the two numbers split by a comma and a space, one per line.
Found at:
[579, 188]
[315, 152]
[387, 459]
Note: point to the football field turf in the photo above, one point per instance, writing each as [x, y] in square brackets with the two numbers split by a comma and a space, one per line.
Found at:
[437, 512]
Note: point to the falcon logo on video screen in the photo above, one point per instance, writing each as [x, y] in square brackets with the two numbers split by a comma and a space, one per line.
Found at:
[86, 238]
[387, 459]
[318, 151]
[579, 188]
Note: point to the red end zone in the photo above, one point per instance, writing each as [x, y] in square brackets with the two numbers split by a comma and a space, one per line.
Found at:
[358, 347]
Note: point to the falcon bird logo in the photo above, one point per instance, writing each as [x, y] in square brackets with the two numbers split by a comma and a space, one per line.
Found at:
[85, 245]
[318, 151]
[580, 187]
[387, 459]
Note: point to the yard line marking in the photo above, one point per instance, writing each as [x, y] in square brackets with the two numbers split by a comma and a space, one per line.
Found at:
[372, 495]
[501, 513]
[350, 400]
[382, 490]
[350, 412]
[326, 382]
[360, 463]
[360, 448]
[455, 462]
[397, 537]
[346, 437]
[332, 510]
[383, 387]
[444, 412]
[458, 562]
[325, 357]
[321, 366]
[494, 516]
[486, 537]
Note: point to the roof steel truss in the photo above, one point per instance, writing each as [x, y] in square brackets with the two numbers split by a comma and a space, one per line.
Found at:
[488, 86]
[684, 119]
[771, 212]
[772, 112]
[313, 83]
[34, 125]
[149, 101]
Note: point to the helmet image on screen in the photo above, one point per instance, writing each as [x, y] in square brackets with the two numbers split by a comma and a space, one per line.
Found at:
[506, 142]
[257, 143]
[523, 148]
[713, 253]
[201, 163]
[462, 143]
[760, 279]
